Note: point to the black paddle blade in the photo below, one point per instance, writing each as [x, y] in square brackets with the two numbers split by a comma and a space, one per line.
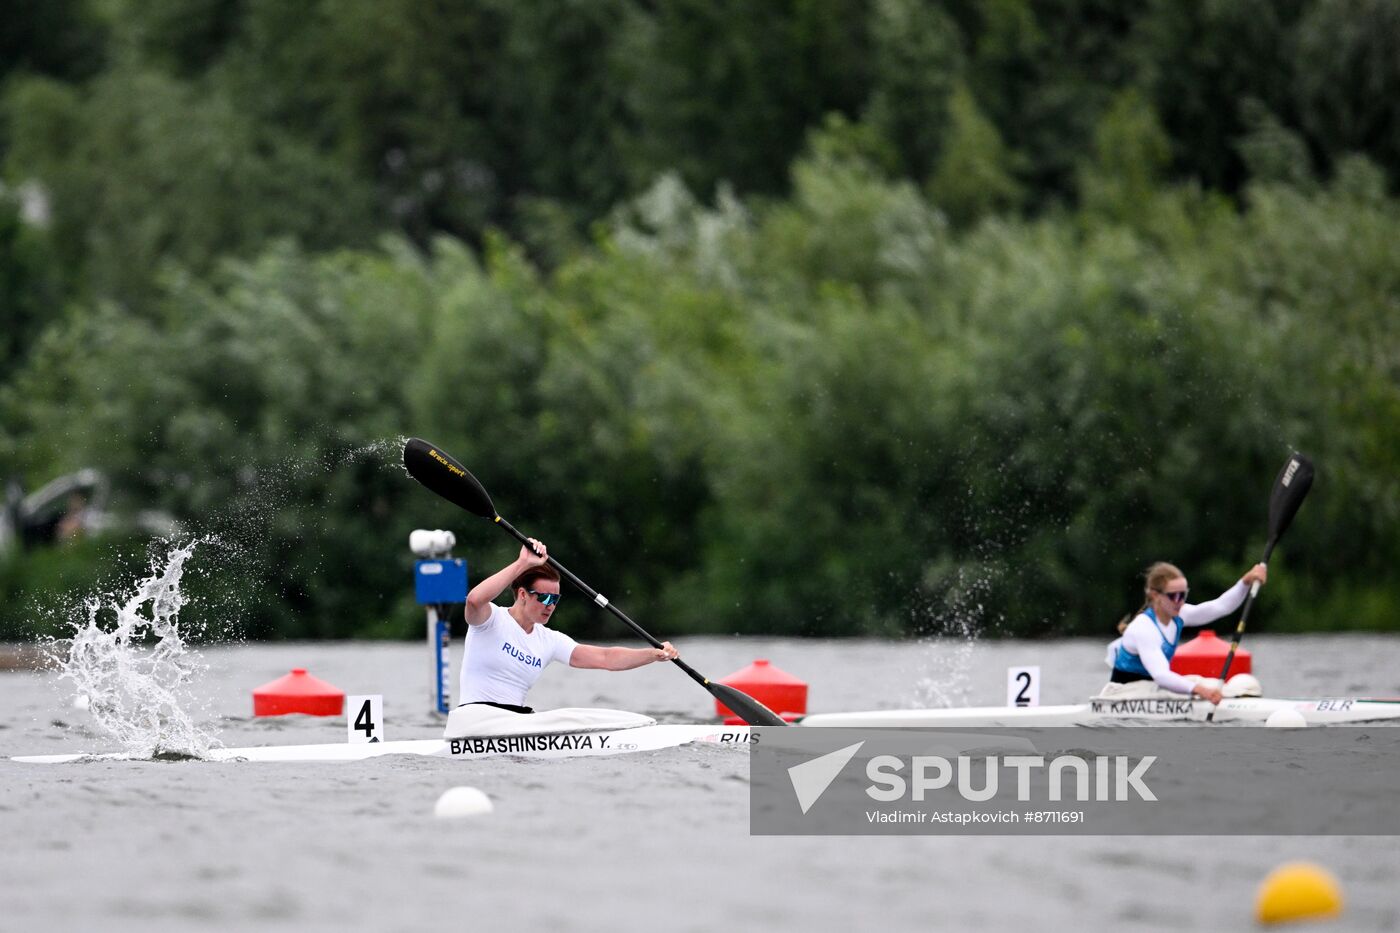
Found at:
[1292, 485]
[744, 706]
[446, 477]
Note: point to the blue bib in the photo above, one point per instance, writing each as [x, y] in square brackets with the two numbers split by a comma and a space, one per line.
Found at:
[1125, 660]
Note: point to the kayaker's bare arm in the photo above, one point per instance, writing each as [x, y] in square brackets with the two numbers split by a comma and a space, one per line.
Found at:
[481, 595]
[593, 657]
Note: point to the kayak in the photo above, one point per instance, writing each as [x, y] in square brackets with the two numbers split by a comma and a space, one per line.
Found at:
[1101, 711]
[551, 745]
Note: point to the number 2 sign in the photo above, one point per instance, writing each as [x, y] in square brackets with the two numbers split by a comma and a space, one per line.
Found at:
[1023, 686]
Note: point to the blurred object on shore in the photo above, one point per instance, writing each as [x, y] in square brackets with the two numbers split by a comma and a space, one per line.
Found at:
[67, 508]
[21, 658]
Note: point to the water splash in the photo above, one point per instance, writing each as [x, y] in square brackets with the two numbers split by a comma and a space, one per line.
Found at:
[136, 673]
[386, 452]
[946, 679]
[950, 638]
[129, 660]
[244, 568]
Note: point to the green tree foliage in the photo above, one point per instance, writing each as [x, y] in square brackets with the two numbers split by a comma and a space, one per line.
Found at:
[467, 115]
[29, 285]
[1349, 92]
[975, 175]
[918, 59]
[1129, 157]
[725, 91]
[1208, 67]
[455, 112]
[867, 316]
[223, 183]
[58, 38]
[1271, 151]
[828, 416]
[1049, 72]
[180, 37]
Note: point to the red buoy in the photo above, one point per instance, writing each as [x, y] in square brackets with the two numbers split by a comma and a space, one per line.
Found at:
[1205, 655]
[776, 689]
[298, 692]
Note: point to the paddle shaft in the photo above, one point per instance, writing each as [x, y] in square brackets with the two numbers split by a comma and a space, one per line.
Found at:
[445, 476]
[1244, 617]
[1290, 488]
[601, 600]
[737, 701]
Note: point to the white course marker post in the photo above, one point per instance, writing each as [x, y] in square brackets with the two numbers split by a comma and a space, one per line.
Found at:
[1023, 686]
[440, 581]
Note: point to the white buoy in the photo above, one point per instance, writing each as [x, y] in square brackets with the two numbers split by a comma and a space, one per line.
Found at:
[1243, 685]
[1285, 719]
[462, 801]
[81, 701]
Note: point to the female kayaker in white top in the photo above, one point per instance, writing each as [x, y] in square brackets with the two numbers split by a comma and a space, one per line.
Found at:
[508, 648]
[1145, 650]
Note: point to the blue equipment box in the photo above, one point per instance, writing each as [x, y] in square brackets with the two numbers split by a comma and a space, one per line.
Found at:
[440, 581]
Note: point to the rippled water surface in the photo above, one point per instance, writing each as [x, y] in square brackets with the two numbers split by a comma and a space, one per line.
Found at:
[642, 842]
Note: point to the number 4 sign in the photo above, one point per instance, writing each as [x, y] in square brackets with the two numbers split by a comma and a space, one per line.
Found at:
[364, 719]
[1023, 686]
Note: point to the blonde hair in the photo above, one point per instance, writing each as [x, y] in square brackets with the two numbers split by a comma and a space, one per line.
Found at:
[1158, 576]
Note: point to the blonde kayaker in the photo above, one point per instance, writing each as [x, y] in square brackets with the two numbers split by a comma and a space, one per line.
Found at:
[1145, 650]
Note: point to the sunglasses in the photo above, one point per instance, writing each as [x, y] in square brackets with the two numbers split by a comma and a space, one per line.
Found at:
[1178, 597]
[547, 599]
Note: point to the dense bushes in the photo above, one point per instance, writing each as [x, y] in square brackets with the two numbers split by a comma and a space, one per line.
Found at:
[827, 318]
[823, 416]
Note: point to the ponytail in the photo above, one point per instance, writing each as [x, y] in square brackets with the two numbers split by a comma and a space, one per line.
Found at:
[1158, 575]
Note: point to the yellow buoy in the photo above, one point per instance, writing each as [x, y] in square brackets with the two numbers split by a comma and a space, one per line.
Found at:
[1298, 891]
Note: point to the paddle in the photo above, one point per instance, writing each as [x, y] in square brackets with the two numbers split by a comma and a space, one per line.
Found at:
[445, 476]
[1290, 487]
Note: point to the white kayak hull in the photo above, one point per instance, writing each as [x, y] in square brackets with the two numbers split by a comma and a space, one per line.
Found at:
[556, 745]
[1097, 712]
[1105, 711]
